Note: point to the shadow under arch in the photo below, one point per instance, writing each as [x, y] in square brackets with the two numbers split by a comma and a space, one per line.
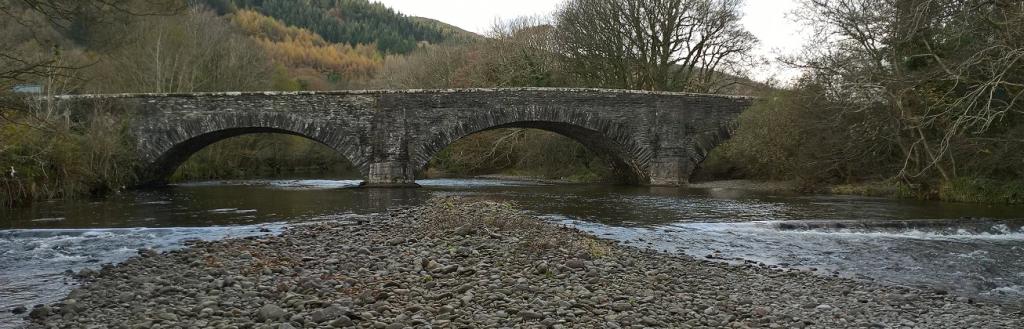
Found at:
[159, 170]
[613, 142]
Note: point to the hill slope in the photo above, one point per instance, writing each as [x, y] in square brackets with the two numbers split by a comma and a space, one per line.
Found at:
[456, 33]
[351, 22]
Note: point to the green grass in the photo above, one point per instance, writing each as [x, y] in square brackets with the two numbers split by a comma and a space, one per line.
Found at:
[966, 190]
[886, 188]
[982, 190]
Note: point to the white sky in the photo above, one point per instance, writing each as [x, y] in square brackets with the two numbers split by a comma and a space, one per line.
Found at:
[767, 19]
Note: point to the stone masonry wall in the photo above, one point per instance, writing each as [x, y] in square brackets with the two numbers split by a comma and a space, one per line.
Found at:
[651, 137]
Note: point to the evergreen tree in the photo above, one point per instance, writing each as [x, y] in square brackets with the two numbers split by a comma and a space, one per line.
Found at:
[351, 22]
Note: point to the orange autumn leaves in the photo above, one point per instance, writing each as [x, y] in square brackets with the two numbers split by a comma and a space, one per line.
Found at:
[317, 63]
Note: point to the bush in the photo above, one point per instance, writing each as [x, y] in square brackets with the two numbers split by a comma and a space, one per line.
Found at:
[797, 135]
[55, 158]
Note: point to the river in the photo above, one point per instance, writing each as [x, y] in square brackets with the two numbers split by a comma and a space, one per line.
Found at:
[970, 250]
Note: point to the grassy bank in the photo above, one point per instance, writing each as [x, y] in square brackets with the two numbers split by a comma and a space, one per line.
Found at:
[979, 190]
[966, 190]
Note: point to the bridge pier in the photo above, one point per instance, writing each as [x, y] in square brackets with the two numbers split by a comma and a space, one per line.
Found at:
[670, 171]
[393, 174]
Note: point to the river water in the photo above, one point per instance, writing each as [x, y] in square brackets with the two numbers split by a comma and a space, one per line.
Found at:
[976, 251]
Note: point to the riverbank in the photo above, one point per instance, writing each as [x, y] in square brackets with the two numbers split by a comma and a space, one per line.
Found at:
[518, 177]
[788, 187]
[961, 190]
[454, 262]
[529, 179]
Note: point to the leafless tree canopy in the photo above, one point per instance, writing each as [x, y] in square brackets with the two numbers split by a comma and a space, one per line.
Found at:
[191, 52]
[948, 73]
[35, 50]
[654, 44]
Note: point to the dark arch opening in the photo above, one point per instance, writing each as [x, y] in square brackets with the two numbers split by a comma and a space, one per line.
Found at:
[620, 167]
[160, 171]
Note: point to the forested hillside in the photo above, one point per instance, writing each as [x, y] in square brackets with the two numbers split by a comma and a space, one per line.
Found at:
[308, 61]
[352, 22]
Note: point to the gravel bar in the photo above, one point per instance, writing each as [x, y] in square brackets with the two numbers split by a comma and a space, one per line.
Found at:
[462, 263]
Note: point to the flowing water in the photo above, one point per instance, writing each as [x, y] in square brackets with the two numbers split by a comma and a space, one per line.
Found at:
[972, 250]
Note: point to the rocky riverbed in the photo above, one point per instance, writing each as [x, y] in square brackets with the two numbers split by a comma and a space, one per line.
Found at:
[462, 263]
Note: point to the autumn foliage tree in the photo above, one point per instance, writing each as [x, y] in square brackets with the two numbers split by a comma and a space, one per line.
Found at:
[307, 56]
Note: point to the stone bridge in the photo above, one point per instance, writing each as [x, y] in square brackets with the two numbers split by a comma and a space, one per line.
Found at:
[655, 138]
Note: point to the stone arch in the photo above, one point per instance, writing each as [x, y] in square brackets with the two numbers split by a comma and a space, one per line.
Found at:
[166, 144]
[618, 143]
[704, 143]
[699, 146]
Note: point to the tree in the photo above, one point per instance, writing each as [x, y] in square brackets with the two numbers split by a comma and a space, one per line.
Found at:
[928, 92]
[35, 43]
[522, 52]
[433, 67]
[196, 51]
[654, 44]
[948, 74]
[50, 151]
[352, 22]
[307, 56]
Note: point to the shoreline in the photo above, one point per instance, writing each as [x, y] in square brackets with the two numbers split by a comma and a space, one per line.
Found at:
[454, 262]
[867, 189]
[529, 179]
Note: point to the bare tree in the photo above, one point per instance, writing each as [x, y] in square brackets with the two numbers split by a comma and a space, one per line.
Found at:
[197, 51]
[33, 49]
[946, 73]
[523, 52]
[432, 66]
[654, 44]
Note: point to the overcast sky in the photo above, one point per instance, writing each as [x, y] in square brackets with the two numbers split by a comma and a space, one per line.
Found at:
[767, 19]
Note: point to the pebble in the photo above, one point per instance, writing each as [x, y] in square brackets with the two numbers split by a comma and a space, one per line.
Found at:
[271, 312]
[531, 315]
[468, 264]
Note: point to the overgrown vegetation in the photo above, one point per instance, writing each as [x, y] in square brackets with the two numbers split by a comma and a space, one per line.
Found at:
[926, 94]
[47, 149]
[54, 152]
